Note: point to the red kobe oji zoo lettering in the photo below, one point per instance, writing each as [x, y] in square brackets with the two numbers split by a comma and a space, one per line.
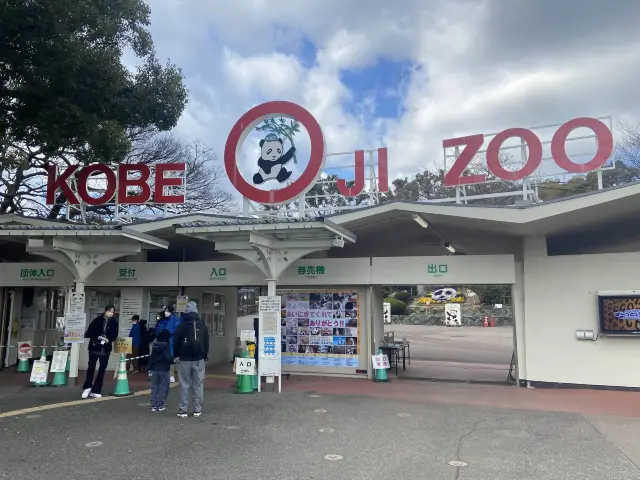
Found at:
[116, 185]
[473, 143]
[358, 183]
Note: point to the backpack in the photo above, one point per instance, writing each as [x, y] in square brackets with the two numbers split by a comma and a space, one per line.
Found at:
[193, 340]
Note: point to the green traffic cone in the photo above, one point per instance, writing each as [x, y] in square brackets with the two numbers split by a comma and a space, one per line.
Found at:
[43, 358]
[244, 381]
[122, 383]
[381, 373]
[23, 365]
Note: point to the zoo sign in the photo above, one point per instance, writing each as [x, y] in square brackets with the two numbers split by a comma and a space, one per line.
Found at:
[275, 156]
[117, 183]
[473, 143]
[273, 159]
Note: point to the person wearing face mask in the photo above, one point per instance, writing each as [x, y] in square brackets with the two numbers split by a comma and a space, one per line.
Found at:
[170, 322]
[102, 332]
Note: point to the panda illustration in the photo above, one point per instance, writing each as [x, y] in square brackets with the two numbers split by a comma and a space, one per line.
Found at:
[271, 162]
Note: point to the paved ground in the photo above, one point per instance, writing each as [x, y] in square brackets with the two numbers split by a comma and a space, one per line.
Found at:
[461, 354]
[289, 436]
[468, 354]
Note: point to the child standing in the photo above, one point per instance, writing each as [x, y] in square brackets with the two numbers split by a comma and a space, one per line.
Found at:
[159, 365]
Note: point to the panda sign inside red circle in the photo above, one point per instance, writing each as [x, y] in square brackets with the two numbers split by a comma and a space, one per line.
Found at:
[275, 154]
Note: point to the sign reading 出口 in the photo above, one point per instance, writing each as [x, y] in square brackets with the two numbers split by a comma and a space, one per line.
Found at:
[37, 274]
[437, 270]
[311, 270]
[218, 274]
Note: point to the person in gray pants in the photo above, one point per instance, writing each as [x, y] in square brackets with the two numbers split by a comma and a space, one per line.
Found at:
[191, 348]
[161, 360]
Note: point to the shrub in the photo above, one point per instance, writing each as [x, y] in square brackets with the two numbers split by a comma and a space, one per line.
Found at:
[398, 307]
[402, 296]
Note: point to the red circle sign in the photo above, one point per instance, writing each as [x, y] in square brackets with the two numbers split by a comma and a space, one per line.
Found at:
[240, 131]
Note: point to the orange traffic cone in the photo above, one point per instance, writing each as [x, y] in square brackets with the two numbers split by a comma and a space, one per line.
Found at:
[486, 321]
[492, 322]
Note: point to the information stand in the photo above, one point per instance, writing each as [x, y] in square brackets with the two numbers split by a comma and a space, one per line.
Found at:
[269, 332]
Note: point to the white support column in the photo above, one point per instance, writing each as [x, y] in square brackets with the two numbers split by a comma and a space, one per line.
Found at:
[271, 287]
[75, 347]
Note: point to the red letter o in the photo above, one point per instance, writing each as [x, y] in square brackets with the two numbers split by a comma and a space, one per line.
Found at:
[83, 177]
[605, 145]
[533, 162]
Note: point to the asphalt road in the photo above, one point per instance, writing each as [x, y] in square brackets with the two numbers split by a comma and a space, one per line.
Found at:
[457, 344]
[438, 343]
[297, 436]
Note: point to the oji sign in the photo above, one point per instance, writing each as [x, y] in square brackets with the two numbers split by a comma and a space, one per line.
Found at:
[117, 183]
[473, 143]
[272, 164]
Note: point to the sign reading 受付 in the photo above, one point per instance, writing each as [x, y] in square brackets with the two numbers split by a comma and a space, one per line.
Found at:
[245, 366]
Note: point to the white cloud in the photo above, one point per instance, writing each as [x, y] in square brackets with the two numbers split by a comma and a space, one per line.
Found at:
[480, 66]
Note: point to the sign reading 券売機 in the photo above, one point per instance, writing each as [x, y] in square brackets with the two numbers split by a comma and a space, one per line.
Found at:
[277, 151]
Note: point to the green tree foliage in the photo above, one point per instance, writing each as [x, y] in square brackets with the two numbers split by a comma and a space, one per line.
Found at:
[402, 296]
[65, 94]
[492, 294]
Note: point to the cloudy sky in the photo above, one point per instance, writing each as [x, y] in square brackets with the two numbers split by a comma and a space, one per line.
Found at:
[404, 74]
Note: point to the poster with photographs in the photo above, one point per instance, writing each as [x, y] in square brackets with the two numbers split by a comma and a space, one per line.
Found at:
[320, 328]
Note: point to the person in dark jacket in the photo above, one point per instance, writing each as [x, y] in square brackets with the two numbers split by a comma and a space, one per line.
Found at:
[102, 332]
[134, 333]
[159, 364]
[146, 338]
[191, 349]
[169, 321]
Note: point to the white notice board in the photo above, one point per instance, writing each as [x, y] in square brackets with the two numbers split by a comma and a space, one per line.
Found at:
[269, 363]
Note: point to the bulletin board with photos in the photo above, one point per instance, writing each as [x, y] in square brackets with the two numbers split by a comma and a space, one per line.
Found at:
[320, 328]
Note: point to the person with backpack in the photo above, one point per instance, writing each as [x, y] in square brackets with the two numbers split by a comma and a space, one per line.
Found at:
[191, 350]
[169, 321]
[161, 360]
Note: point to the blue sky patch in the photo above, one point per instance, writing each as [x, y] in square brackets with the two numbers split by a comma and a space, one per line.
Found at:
[380, 86]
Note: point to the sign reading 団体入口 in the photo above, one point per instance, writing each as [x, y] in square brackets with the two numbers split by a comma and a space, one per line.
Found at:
[42, 274]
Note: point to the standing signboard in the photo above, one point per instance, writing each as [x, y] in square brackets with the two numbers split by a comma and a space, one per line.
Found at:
[452, 315]
[269, 363]
[181, 303]
[386, 312]
[59, 361]
[76, 319]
